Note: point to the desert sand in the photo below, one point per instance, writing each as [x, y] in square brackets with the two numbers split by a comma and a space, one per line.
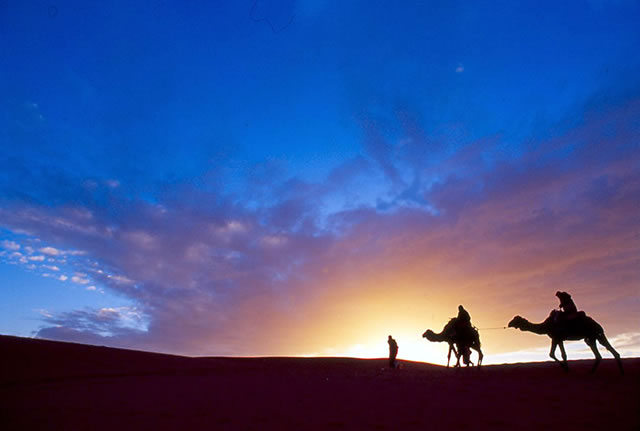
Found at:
[64, 386]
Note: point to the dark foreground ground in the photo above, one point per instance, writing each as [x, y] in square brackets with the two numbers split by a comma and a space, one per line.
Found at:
[61, 386]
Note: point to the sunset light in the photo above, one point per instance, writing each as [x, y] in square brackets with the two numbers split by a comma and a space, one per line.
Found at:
[306, 178]
[315, 215]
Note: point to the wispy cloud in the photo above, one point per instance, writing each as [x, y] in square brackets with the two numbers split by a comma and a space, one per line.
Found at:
[51, 251]
[209, 273]
[79, 279]
[10, 245]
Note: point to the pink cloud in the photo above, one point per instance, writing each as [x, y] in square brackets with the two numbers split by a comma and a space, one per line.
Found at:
[213, 276]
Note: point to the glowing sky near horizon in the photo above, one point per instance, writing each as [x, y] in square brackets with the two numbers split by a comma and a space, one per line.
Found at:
[306, 177]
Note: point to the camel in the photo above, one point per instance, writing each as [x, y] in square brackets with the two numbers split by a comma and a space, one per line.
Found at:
[559, 329]
[463, 341]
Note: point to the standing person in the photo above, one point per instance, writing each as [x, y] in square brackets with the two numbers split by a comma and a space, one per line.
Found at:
[393, 352]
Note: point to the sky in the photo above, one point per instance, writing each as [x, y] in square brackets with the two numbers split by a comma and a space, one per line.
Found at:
[306, 177]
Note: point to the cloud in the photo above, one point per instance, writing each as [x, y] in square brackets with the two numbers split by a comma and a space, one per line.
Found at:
[51, 267]
[45, 313]
[209, 273]
[93, 325]
[50, 251]
[380, 149]
[627, 344]
[80, 278]
[10, 245]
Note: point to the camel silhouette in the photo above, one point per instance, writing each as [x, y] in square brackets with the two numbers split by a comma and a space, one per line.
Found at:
[459, 343]
[559, 329]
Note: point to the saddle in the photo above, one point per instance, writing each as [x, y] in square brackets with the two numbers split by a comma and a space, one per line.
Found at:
[564, 316]
[462, 330]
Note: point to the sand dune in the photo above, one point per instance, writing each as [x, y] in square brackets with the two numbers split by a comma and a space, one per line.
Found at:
[52, 385]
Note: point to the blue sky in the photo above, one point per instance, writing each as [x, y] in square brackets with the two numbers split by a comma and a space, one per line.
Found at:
[231, 156]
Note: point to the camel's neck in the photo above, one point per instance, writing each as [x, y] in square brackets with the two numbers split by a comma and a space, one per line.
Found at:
[536, 328]
[436, 336]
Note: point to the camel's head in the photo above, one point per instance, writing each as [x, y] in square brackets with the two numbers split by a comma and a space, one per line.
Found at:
[517, 322]
[428, 334]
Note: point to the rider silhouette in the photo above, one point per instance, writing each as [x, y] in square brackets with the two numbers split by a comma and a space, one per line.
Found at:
[568, 307]
[464, 319]
[464, 330]
[566, 303]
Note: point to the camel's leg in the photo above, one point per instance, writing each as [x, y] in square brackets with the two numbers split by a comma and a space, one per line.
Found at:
[565, 364]
[603, 340]
[452, 348]
[480, 355]
[562, 351]
[592, 343]
[465, 352]
[552, 352]
[458, 354]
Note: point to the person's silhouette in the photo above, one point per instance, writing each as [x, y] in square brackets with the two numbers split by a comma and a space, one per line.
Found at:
[464, 319]
[568, 307]
[393, 351]
[566, 303]
[464, 330]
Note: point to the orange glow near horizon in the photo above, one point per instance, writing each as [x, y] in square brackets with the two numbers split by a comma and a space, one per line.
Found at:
[355, 319]
[263, 201]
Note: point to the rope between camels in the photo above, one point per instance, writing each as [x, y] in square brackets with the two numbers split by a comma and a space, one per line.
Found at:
[488, 329]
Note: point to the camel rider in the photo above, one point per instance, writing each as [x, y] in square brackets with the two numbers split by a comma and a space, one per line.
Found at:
[463, 316]
[568, 307]
[463, 321]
